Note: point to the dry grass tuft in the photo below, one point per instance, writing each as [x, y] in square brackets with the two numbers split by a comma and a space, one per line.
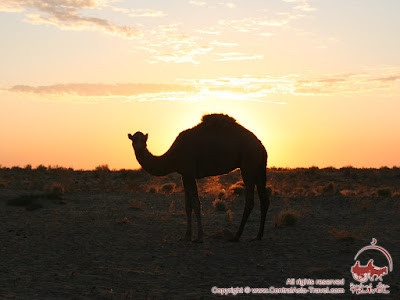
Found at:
[167, 188]
[219, 205]
[55, 190]
[229, 217]
[237, 188]
[225, 234]
[384, 192]
[136, 205]
[343, 235]
[152, 190]
[286, 218]
[328, 189]
[348, 193]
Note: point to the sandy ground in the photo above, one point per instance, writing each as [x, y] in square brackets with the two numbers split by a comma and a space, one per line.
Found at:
[111, 244]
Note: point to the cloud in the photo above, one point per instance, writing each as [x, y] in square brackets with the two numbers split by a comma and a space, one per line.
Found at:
[262, 88]
[146, 13]
[387, 79]
[369, 81]
[72, 15]
[167, 43]
[210, 30]
[224, 44]
[102, 90]
[237, 56]
[198, 3]
[228, 4]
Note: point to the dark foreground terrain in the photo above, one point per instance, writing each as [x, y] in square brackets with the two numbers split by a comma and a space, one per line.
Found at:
[104, 234]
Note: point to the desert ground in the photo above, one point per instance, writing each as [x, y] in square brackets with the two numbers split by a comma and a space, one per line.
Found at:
[115, 234]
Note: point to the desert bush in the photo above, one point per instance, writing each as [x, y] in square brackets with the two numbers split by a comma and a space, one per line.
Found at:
[313, 171]
[101, 170]
[348, 193]
[228, 216]
[327, 189]
[152, 190]
[137, 205]
[23, 200]
[342, 235]
[222, 194]
[55, 191]
[41, 168]
[384, 192]
[287, 218]
[219, 205]
[167, 188]
[30, 201]
[237, 188]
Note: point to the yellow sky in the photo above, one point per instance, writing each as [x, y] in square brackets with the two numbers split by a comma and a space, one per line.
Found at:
[77, 76]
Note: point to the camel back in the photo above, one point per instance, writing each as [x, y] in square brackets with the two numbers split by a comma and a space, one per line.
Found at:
[218, 119]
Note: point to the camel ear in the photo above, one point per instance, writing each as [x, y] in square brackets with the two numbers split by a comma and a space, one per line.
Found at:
[146, 136]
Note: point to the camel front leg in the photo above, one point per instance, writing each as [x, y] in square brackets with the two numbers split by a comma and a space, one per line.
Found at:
[188, 209]
[190, 186]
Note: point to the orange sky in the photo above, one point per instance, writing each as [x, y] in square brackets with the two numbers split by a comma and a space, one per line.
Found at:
[78, 76]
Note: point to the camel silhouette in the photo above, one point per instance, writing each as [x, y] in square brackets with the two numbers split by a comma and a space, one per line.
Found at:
[216, 146]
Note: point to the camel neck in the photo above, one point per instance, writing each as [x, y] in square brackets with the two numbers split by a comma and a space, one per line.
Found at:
[155, 165]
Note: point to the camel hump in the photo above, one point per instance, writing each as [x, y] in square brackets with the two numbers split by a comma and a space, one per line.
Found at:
[217, 119]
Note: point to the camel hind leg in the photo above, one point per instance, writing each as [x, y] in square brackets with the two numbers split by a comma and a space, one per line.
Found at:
[263, 194]
[248, 207]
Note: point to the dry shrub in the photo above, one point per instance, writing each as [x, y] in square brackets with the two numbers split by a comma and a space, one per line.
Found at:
[167, 188]
[219, 205]
[222, 194]
[152, 190]
[224, 234]
[24, 200]
[137, 205]
[286, 218]
[361, 203]
[123, 221]
[348, 193]
[298, 191]
[384, 192]
[229, 216]
[327, 189]
[102, 169]
[311, 193]
[343, 235]
[237, 188]
[101, 172]
[55, 190]
[212, 187]
[30, 201]
[176, 207]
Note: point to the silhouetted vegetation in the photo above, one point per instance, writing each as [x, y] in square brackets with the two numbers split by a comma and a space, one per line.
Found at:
[309, 182]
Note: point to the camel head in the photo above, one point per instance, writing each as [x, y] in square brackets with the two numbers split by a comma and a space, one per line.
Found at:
[138, 140]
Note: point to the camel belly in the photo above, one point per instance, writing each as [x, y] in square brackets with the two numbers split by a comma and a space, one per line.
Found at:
[216, 164]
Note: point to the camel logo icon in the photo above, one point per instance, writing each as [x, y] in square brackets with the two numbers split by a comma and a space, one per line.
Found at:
[365, 273]
[370, 272]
